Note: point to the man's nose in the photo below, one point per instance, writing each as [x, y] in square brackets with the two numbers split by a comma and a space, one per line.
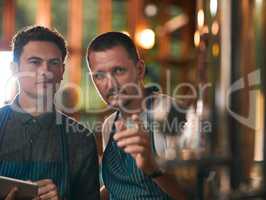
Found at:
[45, 70]
[112, 82]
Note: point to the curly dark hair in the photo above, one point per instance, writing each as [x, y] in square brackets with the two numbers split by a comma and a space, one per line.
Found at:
[109, 40]
[37, 33]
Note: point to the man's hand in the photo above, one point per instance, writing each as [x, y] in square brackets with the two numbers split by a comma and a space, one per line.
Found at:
[12, 194]
[136, 142]
[47, 190]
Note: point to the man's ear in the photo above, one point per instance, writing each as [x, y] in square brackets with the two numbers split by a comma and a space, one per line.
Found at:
[14, 68]
[141, 69]
[63, 71]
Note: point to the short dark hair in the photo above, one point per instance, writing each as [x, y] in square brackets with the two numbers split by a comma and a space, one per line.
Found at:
[37, 33]
[109, 40]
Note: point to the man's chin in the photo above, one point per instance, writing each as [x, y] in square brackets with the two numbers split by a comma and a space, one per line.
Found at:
[114, 103]
[40, 95]
[119, 104]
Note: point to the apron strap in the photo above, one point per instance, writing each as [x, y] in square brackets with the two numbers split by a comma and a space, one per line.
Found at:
[3, 121]
[65, 156]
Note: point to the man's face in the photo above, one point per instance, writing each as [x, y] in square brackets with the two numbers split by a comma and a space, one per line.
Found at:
[40, 69]
[116, 76]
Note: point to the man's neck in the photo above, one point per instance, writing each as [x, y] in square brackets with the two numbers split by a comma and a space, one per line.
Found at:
[35, 106]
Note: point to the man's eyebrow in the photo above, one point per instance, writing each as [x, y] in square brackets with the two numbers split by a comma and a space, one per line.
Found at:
[99, 71]
[119, 67]
[55, 58]
[34, 58]
[38, 58]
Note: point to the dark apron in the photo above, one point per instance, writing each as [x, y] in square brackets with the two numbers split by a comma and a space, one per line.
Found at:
[37, 170]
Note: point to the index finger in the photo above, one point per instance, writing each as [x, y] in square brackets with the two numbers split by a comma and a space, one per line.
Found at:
[131, 132]
[120, 125]
[140, 124]
[135, 118]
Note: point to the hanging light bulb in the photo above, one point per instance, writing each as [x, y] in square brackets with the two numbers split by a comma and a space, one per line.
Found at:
[151, 10]
[145, 38]
[197, 38]
[215, 28]
[213, 7]
[200, 18]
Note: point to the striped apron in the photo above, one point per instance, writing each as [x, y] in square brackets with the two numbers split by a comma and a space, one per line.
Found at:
[121, 176]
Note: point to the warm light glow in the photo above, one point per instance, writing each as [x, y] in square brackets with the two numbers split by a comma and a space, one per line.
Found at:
[145, 38]
[43, 22]
[259, 2]
[200, 18]
[151, 10]
[5, 75]
[197, 38]
[215, 50]
[213, 7]
[215, 28]
[176, 23]
[205, 29]
[125, 32]
[259, 136]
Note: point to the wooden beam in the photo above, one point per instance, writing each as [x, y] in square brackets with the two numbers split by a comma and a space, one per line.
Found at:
[164, 50]
[135, 16]
[263, 74]
[247, 65]
[105, 16]
[74, 36]
[8, 23]
[43, 16]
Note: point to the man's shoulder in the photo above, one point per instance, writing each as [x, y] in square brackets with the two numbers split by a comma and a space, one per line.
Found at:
[4, 108]
[108, 122]
[107, 128]
[110, 118]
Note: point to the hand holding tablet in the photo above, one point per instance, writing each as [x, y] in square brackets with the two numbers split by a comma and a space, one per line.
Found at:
[26, 189]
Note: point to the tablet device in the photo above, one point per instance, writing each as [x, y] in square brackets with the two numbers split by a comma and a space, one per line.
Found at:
[26, 190]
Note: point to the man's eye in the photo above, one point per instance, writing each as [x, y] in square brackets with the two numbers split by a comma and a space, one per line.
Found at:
[35, 62]
[119, 70]
[99, 76]
[54, 62]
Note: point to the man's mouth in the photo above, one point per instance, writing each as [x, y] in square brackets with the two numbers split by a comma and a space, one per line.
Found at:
[114, 96]
[44, 82]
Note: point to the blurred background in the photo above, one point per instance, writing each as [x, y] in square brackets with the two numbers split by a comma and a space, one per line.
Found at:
[215, 46]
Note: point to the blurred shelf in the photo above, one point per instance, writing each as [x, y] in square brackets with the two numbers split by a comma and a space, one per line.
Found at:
[207, 161]
[248, 195]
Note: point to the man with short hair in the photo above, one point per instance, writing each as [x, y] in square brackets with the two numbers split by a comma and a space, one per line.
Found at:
[36, 143]
[130, 138]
